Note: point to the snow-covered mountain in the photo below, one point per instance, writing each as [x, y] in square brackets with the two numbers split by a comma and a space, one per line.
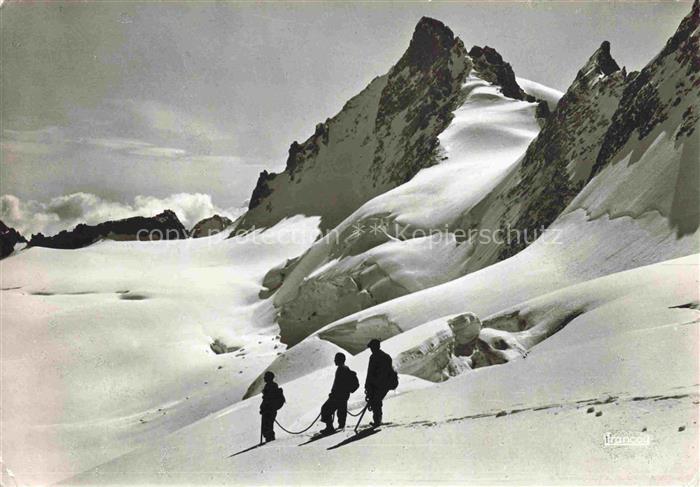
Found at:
[529, 259]
[487, 201]
[383, 136]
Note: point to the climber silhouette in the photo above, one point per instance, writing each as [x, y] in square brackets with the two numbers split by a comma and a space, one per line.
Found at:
[272, 401]
[344, 384]
[381, 378]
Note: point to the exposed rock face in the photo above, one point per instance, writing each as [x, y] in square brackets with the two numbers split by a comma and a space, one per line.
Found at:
[492, 68]
[9, 237]
[559, 160]
[380, 139]
[658, 114]
[210, 226]
[669, 83]
[422, 91]
[164, 226]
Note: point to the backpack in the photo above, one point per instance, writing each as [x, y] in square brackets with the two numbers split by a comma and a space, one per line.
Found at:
[393, 380]
[353, 382]
[278, 399]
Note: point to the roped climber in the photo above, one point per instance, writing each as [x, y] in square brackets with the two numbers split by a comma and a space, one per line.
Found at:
[272, 401]
[344, 384]
[381, 378]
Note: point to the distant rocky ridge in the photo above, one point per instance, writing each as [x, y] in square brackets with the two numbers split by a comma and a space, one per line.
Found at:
[9, 237]
[210, 226]
[164, 226]
[383, 136]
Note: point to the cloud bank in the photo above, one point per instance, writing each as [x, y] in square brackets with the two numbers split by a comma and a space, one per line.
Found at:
[65, 212]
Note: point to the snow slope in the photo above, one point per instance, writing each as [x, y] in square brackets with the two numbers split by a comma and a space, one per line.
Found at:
[513, 423]
[540, 91]
[108, 347]
[605, 230]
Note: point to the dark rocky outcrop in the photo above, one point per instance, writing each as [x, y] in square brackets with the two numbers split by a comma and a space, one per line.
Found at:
[645, 103]
[557, 163]
[9, 237]
[164, 226]
[210, 226]
[602, 111]
[219, 347]
[492, 68]
[422, 91]
[262, 189]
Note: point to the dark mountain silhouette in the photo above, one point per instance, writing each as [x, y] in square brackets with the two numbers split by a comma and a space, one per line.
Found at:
[164, 226]
[9, 237]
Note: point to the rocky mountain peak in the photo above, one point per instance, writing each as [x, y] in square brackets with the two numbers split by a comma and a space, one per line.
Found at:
[431, 40]
[383, 136]
[600, 63]
[666, 88]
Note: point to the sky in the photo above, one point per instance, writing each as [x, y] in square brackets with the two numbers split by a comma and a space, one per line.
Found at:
[118, 108]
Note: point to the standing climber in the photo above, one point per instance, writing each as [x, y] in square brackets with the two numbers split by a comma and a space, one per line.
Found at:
[381, 378]
[272, 401]
[344, 384]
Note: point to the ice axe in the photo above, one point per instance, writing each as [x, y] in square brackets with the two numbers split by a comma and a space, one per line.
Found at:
[361, 415]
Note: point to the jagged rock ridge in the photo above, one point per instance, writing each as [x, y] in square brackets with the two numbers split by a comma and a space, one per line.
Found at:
[648, 98]
[491, 67]
[164, 226]
[9, 238]
[558, 162]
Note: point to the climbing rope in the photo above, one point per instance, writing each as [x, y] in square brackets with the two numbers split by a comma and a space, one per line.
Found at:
[355, 415]
[313, 423]
[298, 432]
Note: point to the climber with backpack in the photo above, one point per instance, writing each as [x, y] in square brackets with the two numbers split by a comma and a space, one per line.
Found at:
[272, 401]
[344, 384]
[381, 378]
